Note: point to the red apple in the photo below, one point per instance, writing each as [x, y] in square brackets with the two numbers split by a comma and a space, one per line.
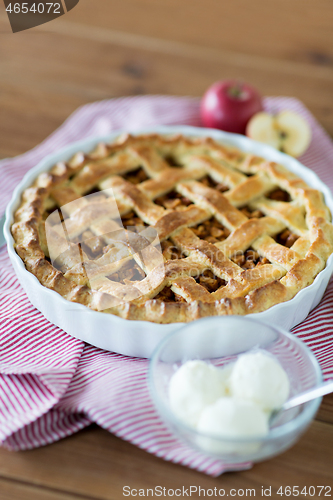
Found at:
[229, 105]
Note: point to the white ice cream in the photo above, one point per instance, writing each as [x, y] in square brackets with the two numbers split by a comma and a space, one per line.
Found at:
[233, 402]
[232, 418]
[193, 387]
[259, 378]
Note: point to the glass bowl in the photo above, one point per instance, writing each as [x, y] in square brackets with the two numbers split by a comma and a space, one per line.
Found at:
[219, 341]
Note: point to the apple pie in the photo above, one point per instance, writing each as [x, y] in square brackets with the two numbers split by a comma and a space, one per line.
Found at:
[171, 229]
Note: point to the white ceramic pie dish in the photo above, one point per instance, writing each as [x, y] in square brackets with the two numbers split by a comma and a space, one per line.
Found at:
[139, 338]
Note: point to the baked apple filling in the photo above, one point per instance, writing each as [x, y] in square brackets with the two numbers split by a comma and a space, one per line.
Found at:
[279, 195]
[249, 259]
[211, 230]
[173, 200]
[209, 182]
[129, 271]
[136, 176]
[132, 220]
[287, 238]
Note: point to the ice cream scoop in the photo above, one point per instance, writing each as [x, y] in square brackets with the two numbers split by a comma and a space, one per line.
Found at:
[259, 378]
[232, 418]
[194, 386]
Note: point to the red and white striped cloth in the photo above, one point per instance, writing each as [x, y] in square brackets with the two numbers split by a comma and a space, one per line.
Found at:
[52, 385]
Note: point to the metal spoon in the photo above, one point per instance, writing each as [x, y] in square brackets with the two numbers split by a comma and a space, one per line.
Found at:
[303, 397]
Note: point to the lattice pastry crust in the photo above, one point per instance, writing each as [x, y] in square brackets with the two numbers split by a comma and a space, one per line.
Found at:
[239, 234]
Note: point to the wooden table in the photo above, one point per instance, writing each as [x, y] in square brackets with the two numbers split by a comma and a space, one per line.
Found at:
[109, 48]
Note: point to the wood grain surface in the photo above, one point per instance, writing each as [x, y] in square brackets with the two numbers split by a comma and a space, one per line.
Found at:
[109, 48]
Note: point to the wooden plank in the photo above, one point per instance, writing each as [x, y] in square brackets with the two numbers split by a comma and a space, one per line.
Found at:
[97, 464]
[221, 54]
[298, 31]
[14, 490]
[62, 72]
[325, 413]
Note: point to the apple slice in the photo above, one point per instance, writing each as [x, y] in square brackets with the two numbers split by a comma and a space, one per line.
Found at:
[261, 127]
[286, 131]
[295, 131]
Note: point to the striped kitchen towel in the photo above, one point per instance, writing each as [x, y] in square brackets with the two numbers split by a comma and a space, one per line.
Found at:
[52, 385]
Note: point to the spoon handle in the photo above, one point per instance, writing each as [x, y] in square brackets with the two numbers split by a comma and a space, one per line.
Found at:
[315, 392]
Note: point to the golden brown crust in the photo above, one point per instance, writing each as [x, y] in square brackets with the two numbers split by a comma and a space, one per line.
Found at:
[291, 240]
